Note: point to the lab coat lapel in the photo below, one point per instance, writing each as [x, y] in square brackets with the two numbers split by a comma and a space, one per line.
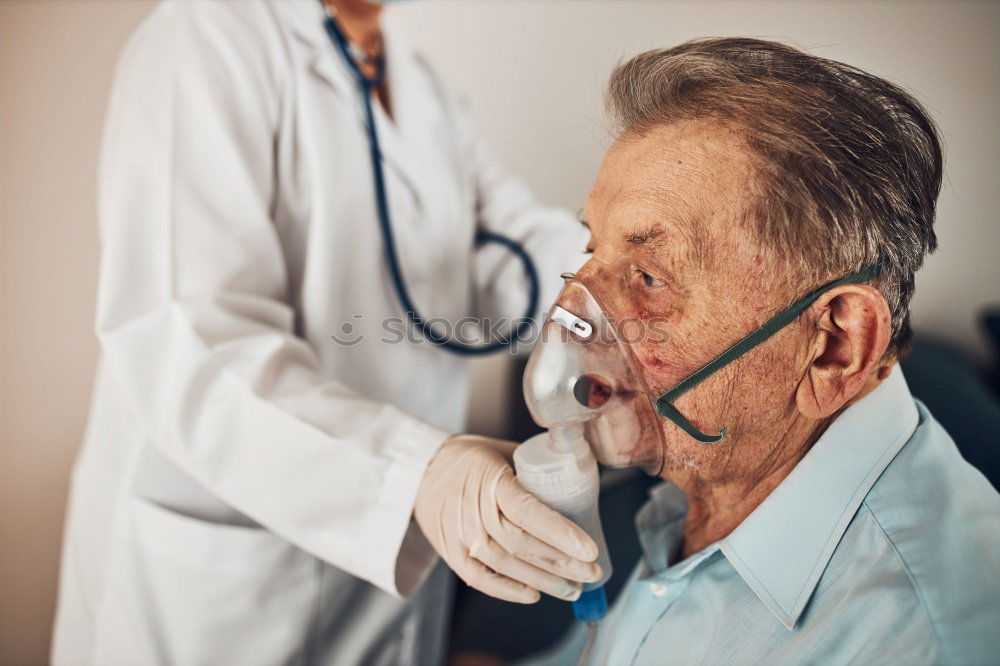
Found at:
[398, 154]
[411, 115]
[305, 18]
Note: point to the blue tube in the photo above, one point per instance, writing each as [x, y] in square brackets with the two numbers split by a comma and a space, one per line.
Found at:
[592, 605]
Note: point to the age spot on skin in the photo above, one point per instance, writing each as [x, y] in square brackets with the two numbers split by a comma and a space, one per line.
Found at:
[655, 362]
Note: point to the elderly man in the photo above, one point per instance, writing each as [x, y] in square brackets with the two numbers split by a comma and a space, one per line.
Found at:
[813, 510]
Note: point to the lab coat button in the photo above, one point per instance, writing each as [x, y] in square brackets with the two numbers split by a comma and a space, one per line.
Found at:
[658, 589]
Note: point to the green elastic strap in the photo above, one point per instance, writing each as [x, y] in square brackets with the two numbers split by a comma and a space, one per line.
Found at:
[664, 404]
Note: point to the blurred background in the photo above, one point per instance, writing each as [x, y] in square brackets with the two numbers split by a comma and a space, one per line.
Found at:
[534, 72]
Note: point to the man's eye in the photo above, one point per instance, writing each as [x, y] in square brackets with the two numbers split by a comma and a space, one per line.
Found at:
[649, 280]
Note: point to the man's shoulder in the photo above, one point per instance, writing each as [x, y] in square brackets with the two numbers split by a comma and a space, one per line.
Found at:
[929, 490]
[941, 519]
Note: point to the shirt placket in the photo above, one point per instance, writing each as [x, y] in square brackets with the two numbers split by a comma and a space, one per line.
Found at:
[647, 601]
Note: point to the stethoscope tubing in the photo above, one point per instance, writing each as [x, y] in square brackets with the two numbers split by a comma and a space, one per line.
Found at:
[367, 87]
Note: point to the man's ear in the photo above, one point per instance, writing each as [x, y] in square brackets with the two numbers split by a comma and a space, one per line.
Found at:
[853, 326]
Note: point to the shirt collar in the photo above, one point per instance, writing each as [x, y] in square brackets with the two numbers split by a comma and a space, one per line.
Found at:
[782, 548]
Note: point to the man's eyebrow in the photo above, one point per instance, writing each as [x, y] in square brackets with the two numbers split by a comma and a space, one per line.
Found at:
[650, 236]
[582, 219]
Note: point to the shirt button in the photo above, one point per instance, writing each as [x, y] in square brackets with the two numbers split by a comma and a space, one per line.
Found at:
[658, 589]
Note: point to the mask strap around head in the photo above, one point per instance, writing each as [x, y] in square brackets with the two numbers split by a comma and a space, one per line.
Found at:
[664, 404]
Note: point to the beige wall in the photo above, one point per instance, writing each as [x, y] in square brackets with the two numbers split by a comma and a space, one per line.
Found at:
[55, 68]
[540, 105]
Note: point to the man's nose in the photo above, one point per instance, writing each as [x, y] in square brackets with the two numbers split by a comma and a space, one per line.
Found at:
[574, 297]
[590, 270]
[599, 279]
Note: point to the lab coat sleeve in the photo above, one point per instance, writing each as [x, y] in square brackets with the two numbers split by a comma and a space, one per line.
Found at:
[553, 237]
[194, 316]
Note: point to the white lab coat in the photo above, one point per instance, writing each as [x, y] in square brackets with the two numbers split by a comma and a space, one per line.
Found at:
[245, 488]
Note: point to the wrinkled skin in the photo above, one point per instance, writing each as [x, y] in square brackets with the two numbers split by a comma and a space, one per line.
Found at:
[669, 241]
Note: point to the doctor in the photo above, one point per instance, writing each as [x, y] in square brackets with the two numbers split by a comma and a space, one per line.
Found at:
[268, 475]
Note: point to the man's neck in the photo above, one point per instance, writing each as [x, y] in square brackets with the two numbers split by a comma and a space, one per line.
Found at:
[716, 508]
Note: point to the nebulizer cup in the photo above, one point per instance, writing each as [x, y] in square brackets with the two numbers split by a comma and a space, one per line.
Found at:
[580, 385]
[559, 469]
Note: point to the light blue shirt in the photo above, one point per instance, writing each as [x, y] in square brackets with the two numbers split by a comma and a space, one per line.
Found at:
[881, 546]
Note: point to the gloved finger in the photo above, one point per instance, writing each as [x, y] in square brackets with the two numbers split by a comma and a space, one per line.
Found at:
[541, 522]
[496, 558]
[525, 547]
[477, 575]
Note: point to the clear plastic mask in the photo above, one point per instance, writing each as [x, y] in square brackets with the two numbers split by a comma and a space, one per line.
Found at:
[581, 374]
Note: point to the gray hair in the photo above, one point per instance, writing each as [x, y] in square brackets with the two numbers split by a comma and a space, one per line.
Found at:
[847, 165]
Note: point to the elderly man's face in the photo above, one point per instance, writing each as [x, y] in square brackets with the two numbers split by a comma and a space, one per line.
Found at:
[669, 245]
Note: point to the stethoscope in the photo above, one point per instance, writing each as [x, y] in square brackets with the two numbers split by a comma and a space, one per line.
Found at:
[367, 86]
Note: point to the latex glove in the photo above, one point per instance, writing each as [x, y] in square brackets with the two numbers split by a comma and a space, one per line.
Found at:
[495, 535]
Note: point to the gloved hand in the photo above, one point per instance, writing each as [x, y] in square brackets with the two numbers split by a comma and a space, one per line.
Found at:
[494, 534]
